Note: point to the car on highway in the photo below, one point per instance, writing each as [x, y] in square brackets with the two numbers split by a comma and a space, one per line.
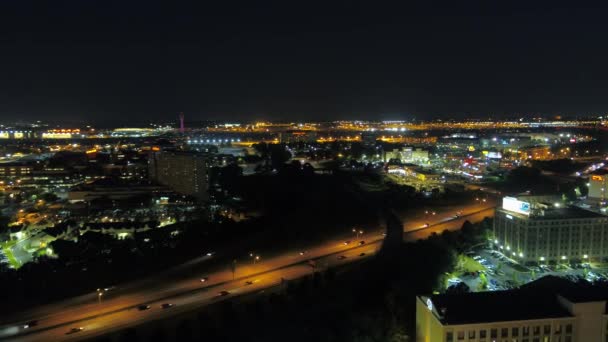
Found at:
[74, 330]
[426, 225]
[30, 324]
[248, 282]
[166, 305]
[223, 293]
[361, 243]
[346, 243]
[342, 257]
[143, 307]
[302, 253]
[204, 279]
[362, 254]
[210, 253]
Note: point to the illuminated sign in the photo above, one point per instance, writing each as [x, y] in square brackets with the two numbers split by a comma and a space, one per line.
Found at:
[56, 135]
[597, 178]
[494, 155]
[429, 304]
[515, 205]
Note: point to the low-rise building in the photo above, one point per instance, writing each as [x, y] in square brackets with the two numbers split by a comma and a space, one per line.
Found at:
[549, 309]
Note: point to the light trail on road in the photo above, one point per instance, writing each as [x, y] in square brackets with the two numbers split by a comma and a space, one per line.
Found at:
[118, 309]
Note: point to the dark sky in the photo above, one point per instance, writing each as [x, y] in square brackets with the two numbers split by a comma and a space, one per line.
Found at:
[293, 60]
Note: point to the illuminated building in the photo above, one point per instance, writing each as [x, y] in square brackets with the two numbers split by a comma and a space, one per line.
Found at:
[134, 132]
[98, 189]
[420, 156]
[540, 232]
[11, 170]
[403, 154]
[407, 155]
[10, 134]
[61, 134]
[598, 185]
[548, 309]
[292, 136]
[184, 172]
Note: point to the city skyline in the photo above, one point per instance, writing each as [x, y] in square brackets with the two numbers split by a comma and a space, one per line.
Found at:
[303, 171]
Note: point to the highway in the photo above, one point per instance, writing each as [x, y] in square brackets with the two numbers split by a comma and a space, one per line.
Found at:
[117, 308]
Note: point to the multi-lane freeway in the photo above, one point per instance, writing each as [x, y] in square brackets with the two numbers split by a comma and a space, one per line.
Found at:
[106, 311]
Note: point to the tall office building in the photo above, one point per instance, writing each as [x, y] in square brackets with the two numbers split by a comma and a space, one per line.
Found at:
[538, 232]
[184, 172]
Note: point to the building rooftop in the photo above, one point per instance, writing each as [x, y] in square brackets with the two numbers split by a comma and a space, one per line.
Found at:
[567, 213]
[535, 300]
[580, 292]
[558, 214]
[511, 305]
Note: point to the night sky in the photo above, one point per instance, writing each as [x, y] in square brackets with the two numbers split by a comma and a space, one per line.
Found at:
[299, 60]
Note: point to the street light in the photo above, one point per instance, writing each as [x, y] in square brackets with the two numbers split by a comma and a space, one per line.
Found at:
[357, 232]
[256, 259]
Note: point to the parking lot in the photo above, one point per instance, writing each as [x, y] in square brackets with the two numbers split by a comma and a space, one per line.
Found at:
[4, 262]
[498, 272]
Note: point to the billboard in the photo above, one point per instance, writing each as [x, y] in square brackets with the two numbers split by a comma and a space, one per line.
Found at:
[515, 205]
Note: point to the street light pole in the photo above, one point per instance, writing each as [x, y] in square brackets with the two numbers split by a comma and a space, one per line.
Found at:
[233, 268]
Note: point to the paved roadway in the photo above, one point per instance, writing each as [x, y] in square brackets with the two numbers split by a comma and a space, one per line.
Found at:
[182, 287]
